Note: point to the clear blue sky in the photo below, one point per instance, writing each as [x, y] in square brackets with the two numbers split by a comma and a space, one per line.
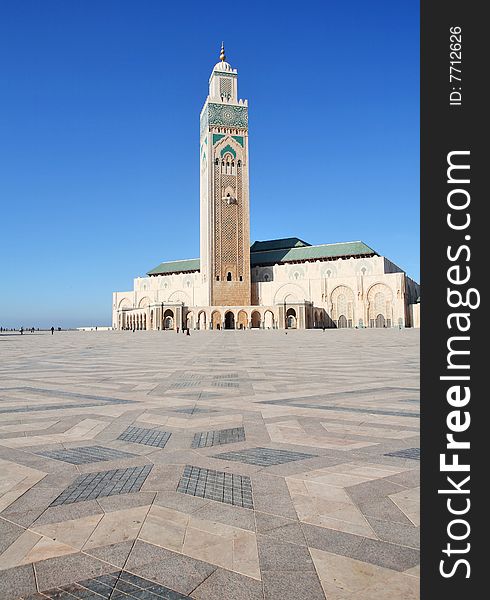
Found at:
[99, 137]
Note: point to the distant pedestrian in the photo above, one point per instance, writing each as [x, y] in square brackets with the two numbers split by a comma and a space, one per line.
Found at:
[52, 330]
[177, 330]
[188, 331]
[21, 331]
[323, 328]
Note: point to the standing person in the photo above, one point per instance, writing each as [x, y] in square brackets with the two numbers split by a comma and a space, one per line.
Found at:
[52, 330]
[21, 331]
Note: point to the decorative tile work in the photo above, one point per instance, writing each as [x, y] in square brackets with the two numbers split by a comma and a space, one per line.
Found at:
[205, 439]
[413, 453]
[114, 585]
[227, 115]
[104, 483]
[217, 485]
[86, 454]
[264, 457]
[148, 437]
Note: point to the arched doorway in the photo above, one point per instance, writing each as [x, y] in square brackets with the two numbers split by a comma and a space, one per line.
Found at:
[256, 319]
[269, 319]
[291, 318]
[168, 319]
[242, 320]
[342, 322]
[201, 320]
[229, 320]
[380, 321]
[216, 320]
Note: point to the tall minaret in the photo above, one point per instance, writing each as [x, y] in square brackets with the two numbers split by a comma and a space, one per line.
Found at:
[225, 213]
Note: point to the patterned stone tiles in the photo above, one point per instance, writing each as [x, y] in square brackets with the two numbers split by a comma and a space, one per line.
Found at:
[264, 457]
[85, 454]
[413, 453]
[348, 518]
[148, 437]
[217, 485]
[204, 439]
[104, 483]
[119, 584]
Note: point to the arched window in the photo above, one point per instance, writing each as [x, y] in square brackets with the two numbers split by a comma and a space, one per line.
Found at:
[228, 276]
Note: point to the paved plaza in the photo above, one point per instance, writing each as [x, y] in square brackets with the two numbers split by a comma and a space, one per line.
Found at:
[232, 465]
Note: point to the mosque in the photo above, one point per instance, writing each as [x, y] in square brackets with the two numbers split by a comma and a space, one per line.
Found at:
[272, 284]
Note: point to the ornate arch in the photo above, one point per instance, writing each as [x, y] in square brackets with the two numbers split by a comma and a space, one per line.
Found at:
[180, 296]
[144, 302]
[380, 302]
[124, 303]
[292, 291]
[342, 303]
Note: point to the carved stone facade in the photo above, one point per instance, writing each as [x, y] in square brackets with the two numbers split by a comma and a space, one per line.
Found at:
[275, 284]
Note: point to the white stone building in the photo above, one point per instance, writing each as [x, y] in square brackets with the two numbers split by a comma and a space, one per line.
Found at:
[270, 284]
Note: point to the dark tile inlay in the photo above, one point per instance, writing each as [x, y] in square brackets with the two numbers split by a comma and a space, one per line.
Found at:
[205, 439]
[264, 457]
[413, 453]
[193, 410]
[85, 400]
[115, 585]
[86, 454]
[226, 384]
[217, 485]
[148, 437]
[104, 483]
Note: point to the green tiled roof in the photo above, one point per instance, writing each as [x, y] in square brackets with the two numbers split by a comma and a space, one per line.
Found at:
[176, 266]
[311, 253]
[280, 244]
[275, 251]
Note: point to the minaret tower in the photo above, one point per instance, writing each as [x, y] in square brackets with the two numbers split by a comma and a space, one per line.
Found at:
[224, 193]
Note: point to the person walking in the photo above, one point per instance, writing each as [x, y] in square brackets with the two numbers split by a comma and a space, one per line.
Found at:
[21, 331]
[52, 330]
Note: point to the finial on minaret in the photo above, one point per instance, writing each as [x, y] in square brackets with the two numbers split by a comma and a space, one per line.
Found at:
[222, 55]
